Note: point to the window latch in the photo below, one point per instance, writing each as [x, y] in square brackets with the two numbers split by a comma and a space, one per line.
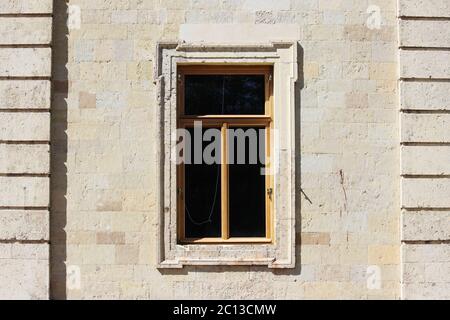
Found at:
[270, 192]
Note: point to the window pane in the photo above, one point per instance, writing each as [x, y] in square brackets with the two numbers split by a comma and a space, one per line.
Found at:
[247, 187]
[202, 194]
[224, 94]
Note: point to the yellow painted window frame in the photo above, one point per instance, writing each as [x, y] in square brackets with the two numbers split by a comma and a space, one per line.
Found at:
[224, 122]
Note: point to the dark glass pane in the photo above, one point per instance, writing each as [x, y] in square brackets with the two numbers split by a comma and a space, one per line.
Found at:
[247, 183]
[202, 195]
[224, 94]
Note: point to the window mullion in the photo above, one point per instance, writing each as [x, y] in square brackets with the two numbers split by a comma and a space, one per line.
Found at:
[224, 183]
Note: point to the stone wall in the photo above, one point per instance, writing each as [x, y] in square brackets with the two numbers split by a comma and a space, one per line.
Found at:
[25, 69]
[366, 227]
[103, 127]
[425, 122]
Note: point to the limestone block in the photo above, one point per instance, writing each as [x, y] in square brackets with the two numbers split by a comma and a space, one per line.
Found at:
[317, 163]
[426, 160]
[253, 5]
[425, 95]
[425, 127]
[424, 8]
[383, 70]
[30, 251]
[105, 31]
[110, 238]
[24, 278]
[99, 71]
[26, 6]
[437, 272]
[426, 253]
[383, 254]
[24, 191]
[424, 225]
[25, 62]
[426, 193]
[426, 291]
[24, 224]
[127, 254]
[26, 30]
[434, 273]
[418, 33]
[22, 158]
[98, 254]
[305, 5]
[314, 238]
[237, 33]
[25, 126]
[424, 64]
[426, 271]
[26, 94]
[5, 251]
[124, 17]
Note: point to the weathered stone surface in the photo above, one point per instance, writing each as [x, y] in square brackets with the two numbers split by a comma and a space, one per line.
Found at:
[424, 64]
[266, 5]
[425, 193]
[25, 62]
[26, 6]
[424, 8]
[426, 267]
[24, 278]
[24, 225]
[26, 94]
[426, 253]
[23, 158]
[24, 191]
[24, 267]
[104, 193]
[426, 271]
[30, 251]
[314, 238]
[418, 33]
[26, 30]
[426, 291]
[383, 254]
[427, 160]
[425, 128]
[25, 126]
[236, 33]
[425, 95]
[426, 225]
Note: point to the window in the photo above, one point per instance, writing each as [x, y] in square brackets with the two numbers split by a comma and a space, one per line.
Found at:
[214, 212]
[224, 118]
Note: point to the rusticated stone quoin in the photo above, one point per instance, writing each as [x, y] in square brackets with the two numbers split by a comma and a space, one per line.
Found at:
[25, 89]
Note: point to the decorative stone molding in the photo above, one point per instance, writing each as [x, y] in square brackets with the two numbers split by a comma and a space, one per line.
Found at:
[284, 58]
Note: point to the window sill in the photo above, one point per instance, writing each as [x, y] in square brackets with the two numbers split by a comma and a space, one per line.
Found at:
[222, 241]
[178, 264]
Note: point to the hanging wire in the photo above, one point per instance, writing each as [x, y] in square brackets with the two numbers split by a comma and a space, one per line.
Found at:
[212, 207]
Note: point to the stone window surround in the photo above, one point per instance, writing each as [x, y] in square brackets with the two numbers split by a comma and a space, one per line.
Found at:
[284, 58]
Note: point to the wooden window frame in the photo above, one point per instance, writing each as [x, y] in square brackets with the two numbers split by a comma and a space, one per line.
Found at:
[224, 122]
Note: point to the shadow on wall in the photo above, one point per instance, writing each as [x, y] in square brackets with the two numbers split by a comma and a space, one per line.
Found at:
[299, 197]
[58, 180]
